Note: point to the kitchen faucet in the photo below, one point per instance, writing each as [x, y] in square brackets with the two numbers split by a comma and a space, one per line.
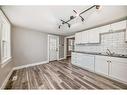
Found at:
[109, 52]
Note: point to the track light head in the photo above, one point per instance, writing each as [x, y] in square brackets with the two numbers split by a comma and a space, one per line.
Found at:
[69, 25]
[98, 7]
[59, 26]
[71, 17]
[74, 11]
[82, 19]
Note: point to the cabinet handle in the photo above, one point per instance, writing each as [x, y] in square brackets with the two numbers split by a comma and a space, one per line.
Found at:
[109, 61]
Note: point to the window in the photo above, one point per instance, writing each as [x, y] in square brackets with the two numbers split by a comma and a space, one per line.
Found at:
[5, 51]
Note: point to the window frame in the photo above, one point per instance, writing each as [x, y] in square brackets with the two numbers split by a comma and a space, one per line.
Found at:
[5, 40]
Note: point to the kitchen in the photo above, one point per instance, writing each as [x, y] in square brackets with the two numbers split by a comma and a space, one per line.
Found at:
[84, 47]
[105, 52]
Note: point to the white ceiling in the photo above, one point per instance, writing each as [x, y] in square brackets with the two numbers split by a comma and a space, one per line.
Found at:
[46, 18]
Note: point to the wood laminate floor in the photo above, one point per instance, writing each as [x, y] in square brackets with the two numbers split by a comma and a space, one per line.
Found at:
[59, 75]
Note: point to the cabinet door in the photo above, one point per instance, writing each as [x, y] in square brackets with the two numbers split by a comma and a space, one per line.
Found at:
[74, 58]
[80, 59]
[118, 70]
[126, 35]
[118, 25]
[78, 38]
[104, 29]
[85, 36]
[88, 62]
[93, 36]
[126, 32]
[85, 61]
[101, 65]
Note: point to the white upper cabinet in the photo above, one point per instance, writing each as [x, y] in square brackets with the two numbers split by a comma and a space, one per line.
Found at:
[89, 36]
[94, 36]
[78, 38]
[122, 25]
[118, 26]
[104, 29]
[85, 36]
[126, 35]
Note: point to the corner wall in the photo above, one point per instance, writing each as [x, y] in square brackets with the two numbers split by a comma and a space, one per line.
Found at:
[28, 46]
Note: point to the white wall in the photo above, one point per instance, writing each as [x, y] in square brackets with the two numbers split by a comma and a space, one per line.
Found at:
[113, 41]
[28, 46]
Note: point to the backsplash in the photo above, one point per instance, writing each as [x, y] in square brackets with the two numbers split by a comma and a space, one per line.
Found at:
[113, 41]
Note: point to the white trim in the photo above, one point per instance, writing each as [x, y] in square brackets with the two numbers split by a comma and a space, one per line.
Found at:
[72, 36]
[6, 80]
[48, 53]
[30, 65]
[61, 58]
[6, 62]
[58, 43]
[3, 16]
[65, 45]
[48, 48]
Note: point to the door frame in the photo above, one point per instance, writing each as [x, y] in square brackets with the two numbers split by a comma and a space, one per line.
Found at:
[48, 47]
[65, 45]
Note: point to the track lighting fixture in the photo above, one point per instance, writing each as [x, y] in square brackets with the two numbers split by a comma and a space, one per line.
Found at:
[71, 17]
[98, 7]
[78, 15]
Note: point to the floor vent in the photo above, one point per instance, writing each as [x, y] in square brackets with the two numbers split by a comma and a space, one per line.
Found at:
[14, 78]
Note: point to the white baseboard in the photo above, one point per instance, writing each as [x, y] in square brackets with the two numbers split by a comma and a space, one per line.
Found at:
[61, 58]
[29, 65]
[6, 80]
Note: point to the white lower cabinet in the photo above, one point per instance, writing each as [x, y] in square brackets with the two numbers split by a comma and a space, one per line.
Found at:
[74, 58]
[80, 59]
[83, 60]
[88, 62]
[113, 67]
[101, 65]
[118, 69]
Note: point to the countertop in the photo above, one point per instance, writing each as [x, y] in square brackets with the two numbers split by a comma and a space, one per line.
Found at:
[103, 54]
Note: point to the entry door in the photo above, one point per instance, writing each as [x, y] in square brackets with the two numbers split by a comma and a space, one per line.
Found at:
[53, 47]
